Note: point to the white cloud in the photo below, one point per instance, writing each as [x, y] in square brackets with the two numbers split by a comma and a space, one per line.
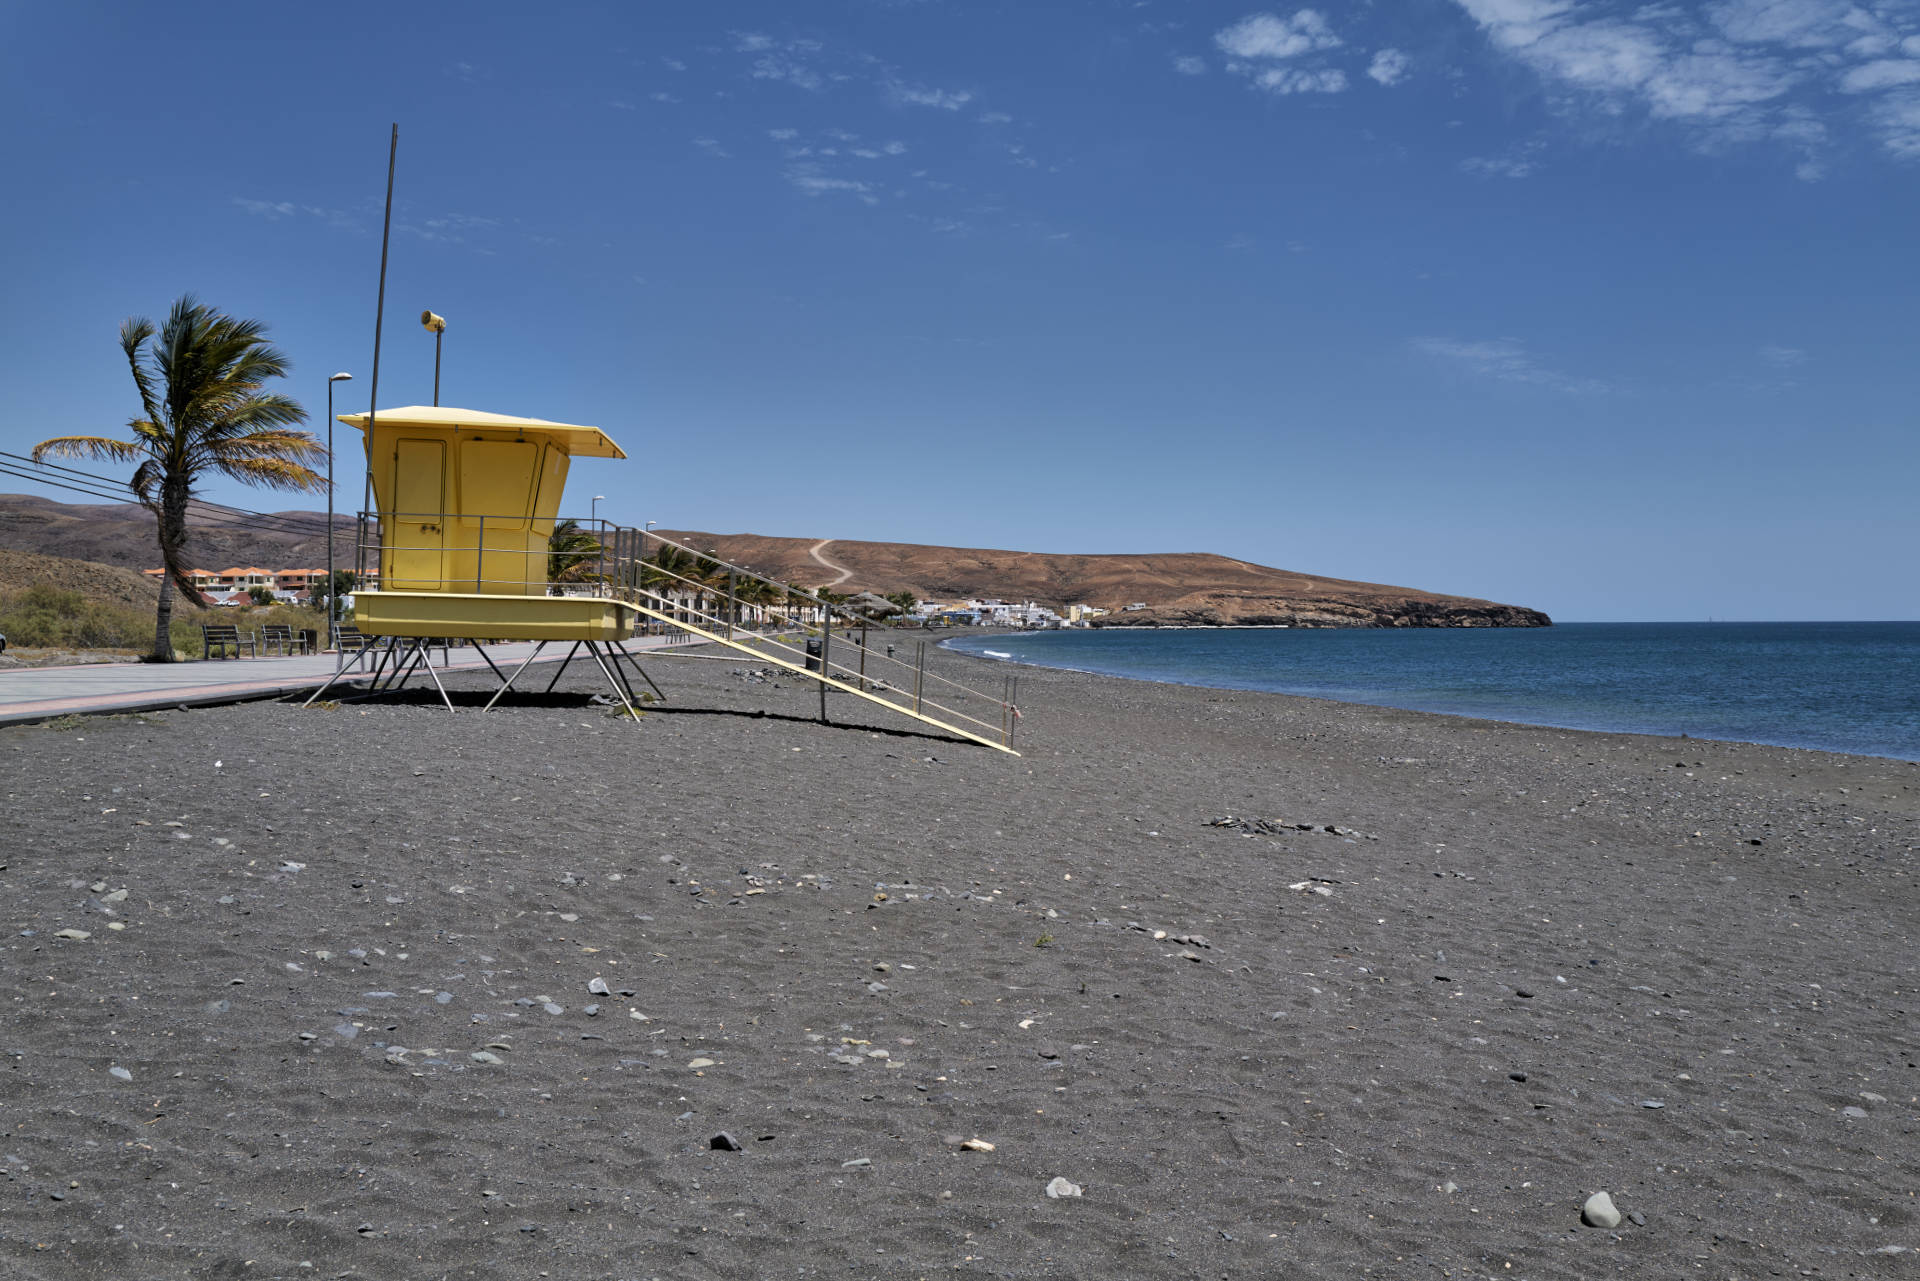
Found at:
[895, 148]
[1262, 46]
[783, 135]
[272, 210]
[812, 180]
[674, 64]
[1502, 360]
[1783, 357]
[1389, 66]
[789, 71]
[713, 148]
[1265, 35]
[995, 118]
[1189, 65]
[1881, 75]
[751, 41]
[920, 97]
[1515, 162]
[1298, 80]
[663, 97]
[1737, 71]
[620, 104]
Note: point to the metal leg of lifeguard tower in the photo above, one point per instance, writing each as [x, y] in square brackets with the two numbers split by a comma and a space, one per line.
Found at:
[618, 692]
[564, 663]
[516, 676]
[621, 650]
[359, 657]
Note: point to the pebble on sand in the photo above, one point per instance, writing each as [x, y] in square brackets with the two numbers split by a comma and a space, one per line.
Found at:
[1060, 1187]
[1599, 1212]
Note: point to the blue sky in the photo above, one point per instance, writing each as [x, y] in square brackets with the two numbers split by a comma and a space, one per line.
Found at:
[1606, 309]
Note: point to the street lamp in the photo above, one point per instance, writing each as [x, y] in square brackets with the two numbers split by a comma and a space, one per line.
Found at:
[332, 609]
[595, 509]
[437, 326]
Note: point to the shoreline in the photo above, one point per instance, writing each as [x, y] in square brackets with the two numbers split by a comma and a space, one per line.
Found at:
[1676, 735]
[352, 996]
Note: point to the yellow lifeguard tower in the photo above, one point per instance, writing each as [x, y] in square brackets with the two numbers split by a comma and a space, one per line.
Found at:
[468, 501]
[462, 543]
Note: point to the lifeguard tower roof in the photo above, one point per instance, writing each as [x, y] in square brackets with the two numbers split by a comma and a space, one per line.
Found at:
[577, 441]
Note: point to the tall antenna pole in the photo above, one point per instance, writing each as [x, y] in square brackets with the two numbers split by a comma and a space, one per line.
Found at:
[379, 317]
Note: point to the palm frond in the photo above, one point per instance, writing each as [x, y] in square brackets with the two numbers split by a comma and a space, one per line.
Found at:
[103, 448]
[274, 473]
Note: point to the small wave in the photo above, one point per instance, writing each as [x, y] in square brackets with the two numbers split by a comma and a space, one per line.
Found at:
[994, 653]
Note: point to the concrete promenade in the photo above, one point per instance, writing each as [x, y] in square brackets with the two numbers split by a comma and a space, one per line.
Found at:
[38, 693]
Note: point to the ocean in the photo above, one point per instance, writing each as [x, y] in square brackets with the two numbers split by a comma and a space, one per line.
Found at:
[1838, 687]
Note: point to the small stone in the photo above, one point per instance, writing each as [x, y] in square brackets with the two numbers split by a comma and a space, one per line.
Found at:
[1449, 1187]
[598, 987]
[977, 1145]
[118, 896]
[699, 1063]
[1871, 1097]
[724, 1142]
[590, 1010]
[1062, 1188]
[877, 988]
[1599, 1212]
[1854, 1112]
[638, 1017]
[553, 1008]
[1653, 1104]
[1523, 993]
[1639, 1219]
[882, 968]
[120, 1072]
[116, 925]
[858, 1163]
[78, 936]
[487, 1056]
[1516, 1076]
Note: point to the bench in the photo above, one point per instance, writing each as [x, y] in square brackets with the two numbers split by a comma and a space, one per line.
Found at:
[282, 635]
[226, 636]
[350, 639]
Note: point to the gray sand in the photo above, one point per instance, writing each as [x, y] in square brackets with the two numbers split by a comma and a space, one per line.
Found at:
[1545, 963]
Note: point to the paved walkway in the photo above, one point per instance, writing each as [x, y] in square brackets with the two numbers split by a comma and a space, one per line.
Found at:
[37, 693]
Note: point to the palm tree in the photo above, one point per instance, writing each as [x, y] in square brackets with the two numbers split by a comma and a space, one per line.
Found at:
[573, 555]
[202, 409]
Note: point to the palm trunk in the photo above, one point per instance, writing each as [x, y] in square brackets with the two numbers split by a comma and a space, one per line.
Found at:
[163, 623]
[171, 520]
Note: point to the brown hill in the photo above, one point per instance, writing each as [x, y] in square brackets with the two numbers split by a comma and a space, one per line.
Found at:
[122, 534]
[1185, 589]
[93, 580]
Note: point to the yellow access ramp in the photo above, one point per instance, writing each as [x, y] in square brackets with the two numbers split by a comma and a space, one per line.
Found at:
[720, 638]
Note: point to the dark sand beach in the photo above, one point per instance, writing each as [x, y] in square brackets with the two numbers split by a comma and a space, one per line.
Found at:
[347, 1028]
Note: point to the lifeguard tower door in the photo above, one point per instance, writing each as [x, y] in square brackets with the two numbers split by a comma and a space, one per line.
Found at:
[419, 507]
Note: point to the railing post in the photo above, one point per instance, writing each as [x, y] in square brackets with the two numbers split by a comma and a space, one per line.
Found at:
[732, 603]
[480, 560]
[826, 650]
[919, 673]
[863, 657]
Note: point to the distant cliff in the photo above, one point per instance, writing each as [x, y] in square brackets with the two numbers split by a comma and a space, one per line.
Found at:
[1178, 589]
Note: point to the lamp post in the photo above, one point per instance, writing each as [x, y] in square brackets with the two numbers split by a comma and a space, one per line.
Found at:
[595, 509]
[437, 326]
[332, 609]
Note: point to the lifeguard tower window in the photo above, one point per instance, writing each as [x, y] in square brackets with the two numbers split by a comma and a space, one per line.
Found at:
[496, 481]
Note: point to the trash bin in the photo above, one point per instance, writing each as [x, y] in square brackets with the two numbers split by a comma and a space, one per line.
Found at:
[310, 640]
[813, 654]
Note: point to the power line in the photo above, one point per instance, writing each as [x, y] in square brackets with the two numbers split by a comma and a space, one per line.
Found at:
[219, 514]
